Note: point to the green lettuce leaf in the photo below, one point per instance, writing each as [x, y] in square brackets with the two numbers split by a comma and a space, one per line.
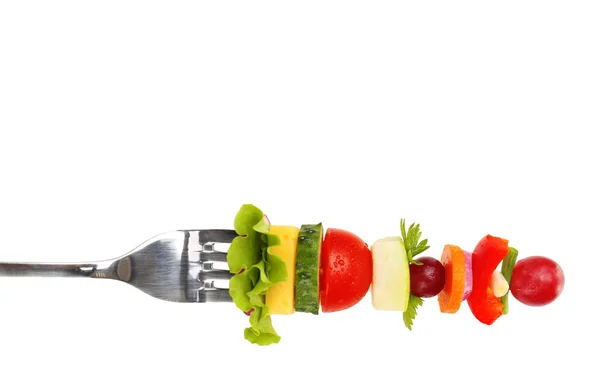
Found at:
[261, 332]
[257, 269]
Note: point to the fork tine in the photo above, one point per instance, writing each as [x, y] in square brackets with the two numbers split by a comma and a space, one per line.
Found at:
[207, 275]
[216, 235]
[213, 256]
[214, 295]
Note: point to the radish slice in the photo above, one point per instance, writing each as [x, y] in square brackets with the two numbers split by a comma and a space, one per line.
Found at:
[468, 274]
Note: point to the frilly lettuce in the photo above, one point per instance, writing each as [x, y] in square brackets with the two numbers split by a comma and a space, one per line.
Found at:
[256, 269]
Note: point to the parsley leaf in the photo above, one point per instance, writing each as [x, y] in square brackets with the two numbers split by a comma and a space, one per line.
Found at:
[414, 246]
[411, 238]
[411, 312]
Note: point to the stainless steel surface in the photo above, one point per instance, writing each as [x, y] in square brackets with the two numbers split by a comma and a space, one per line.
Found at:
[180, 266]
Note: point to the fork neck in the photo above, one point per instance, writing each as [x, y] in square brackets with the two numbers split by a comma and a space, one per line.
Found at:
[103, 269]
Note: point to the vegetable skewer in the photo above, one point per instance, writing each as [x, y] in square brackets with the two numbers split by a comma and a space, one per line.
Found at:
[283, 269]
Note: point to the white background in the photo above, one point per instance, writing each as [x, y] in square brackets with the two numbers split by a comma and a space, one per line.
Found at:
[120, 120]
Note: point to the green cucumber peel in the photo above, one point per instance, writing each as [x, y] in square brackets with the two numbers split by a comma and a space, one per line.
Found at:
[256, 269]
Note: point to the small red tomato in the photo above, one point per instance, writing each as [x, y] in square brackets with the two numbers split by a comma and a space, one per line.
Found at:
[537, 281]
[346, 270]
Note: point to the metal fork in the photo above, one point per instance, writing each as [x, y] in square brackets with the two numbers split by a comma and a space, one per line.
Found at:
[179, 266]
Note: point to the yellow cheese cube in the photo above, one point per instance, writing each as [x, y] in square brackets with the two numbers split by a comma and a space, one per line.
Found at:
[280, 297]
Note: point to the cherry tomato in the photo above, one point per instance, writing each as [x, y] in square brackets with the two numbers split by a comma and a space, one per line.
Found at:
[537, 281]
[428, 279]
[346, 270]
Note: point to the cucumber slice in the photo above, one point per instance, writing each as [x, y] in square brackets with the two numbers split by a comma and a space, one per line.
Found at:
[391, 275]
[308, 258]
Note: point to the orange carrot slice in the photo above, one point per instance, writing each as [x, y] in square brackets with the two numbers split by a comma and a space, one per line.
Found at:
[451, 296]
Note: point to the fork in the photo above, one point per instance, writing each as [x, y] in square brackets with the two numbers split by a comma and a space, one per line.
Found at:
[178, 266]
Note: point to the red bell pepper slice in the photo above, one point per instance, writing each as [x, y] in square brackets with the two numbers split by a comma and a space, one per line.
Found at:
[487, 255]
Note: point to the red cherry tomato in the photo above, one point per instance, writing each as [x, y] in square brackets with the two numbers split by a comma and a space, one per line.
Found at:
[536, 281]
[346, 270]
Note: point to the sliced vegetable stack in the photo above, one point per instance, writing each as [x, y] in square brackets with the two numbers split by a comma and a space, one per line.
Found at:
[280, 270]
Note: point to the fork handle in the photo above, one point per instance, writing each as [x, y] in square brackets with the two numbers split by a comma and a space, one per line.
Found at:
[81, 270]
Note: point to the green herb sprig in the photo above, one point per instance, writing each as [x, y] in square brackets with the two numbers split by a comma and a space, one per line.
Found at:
[411, 238]
[414, 246]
